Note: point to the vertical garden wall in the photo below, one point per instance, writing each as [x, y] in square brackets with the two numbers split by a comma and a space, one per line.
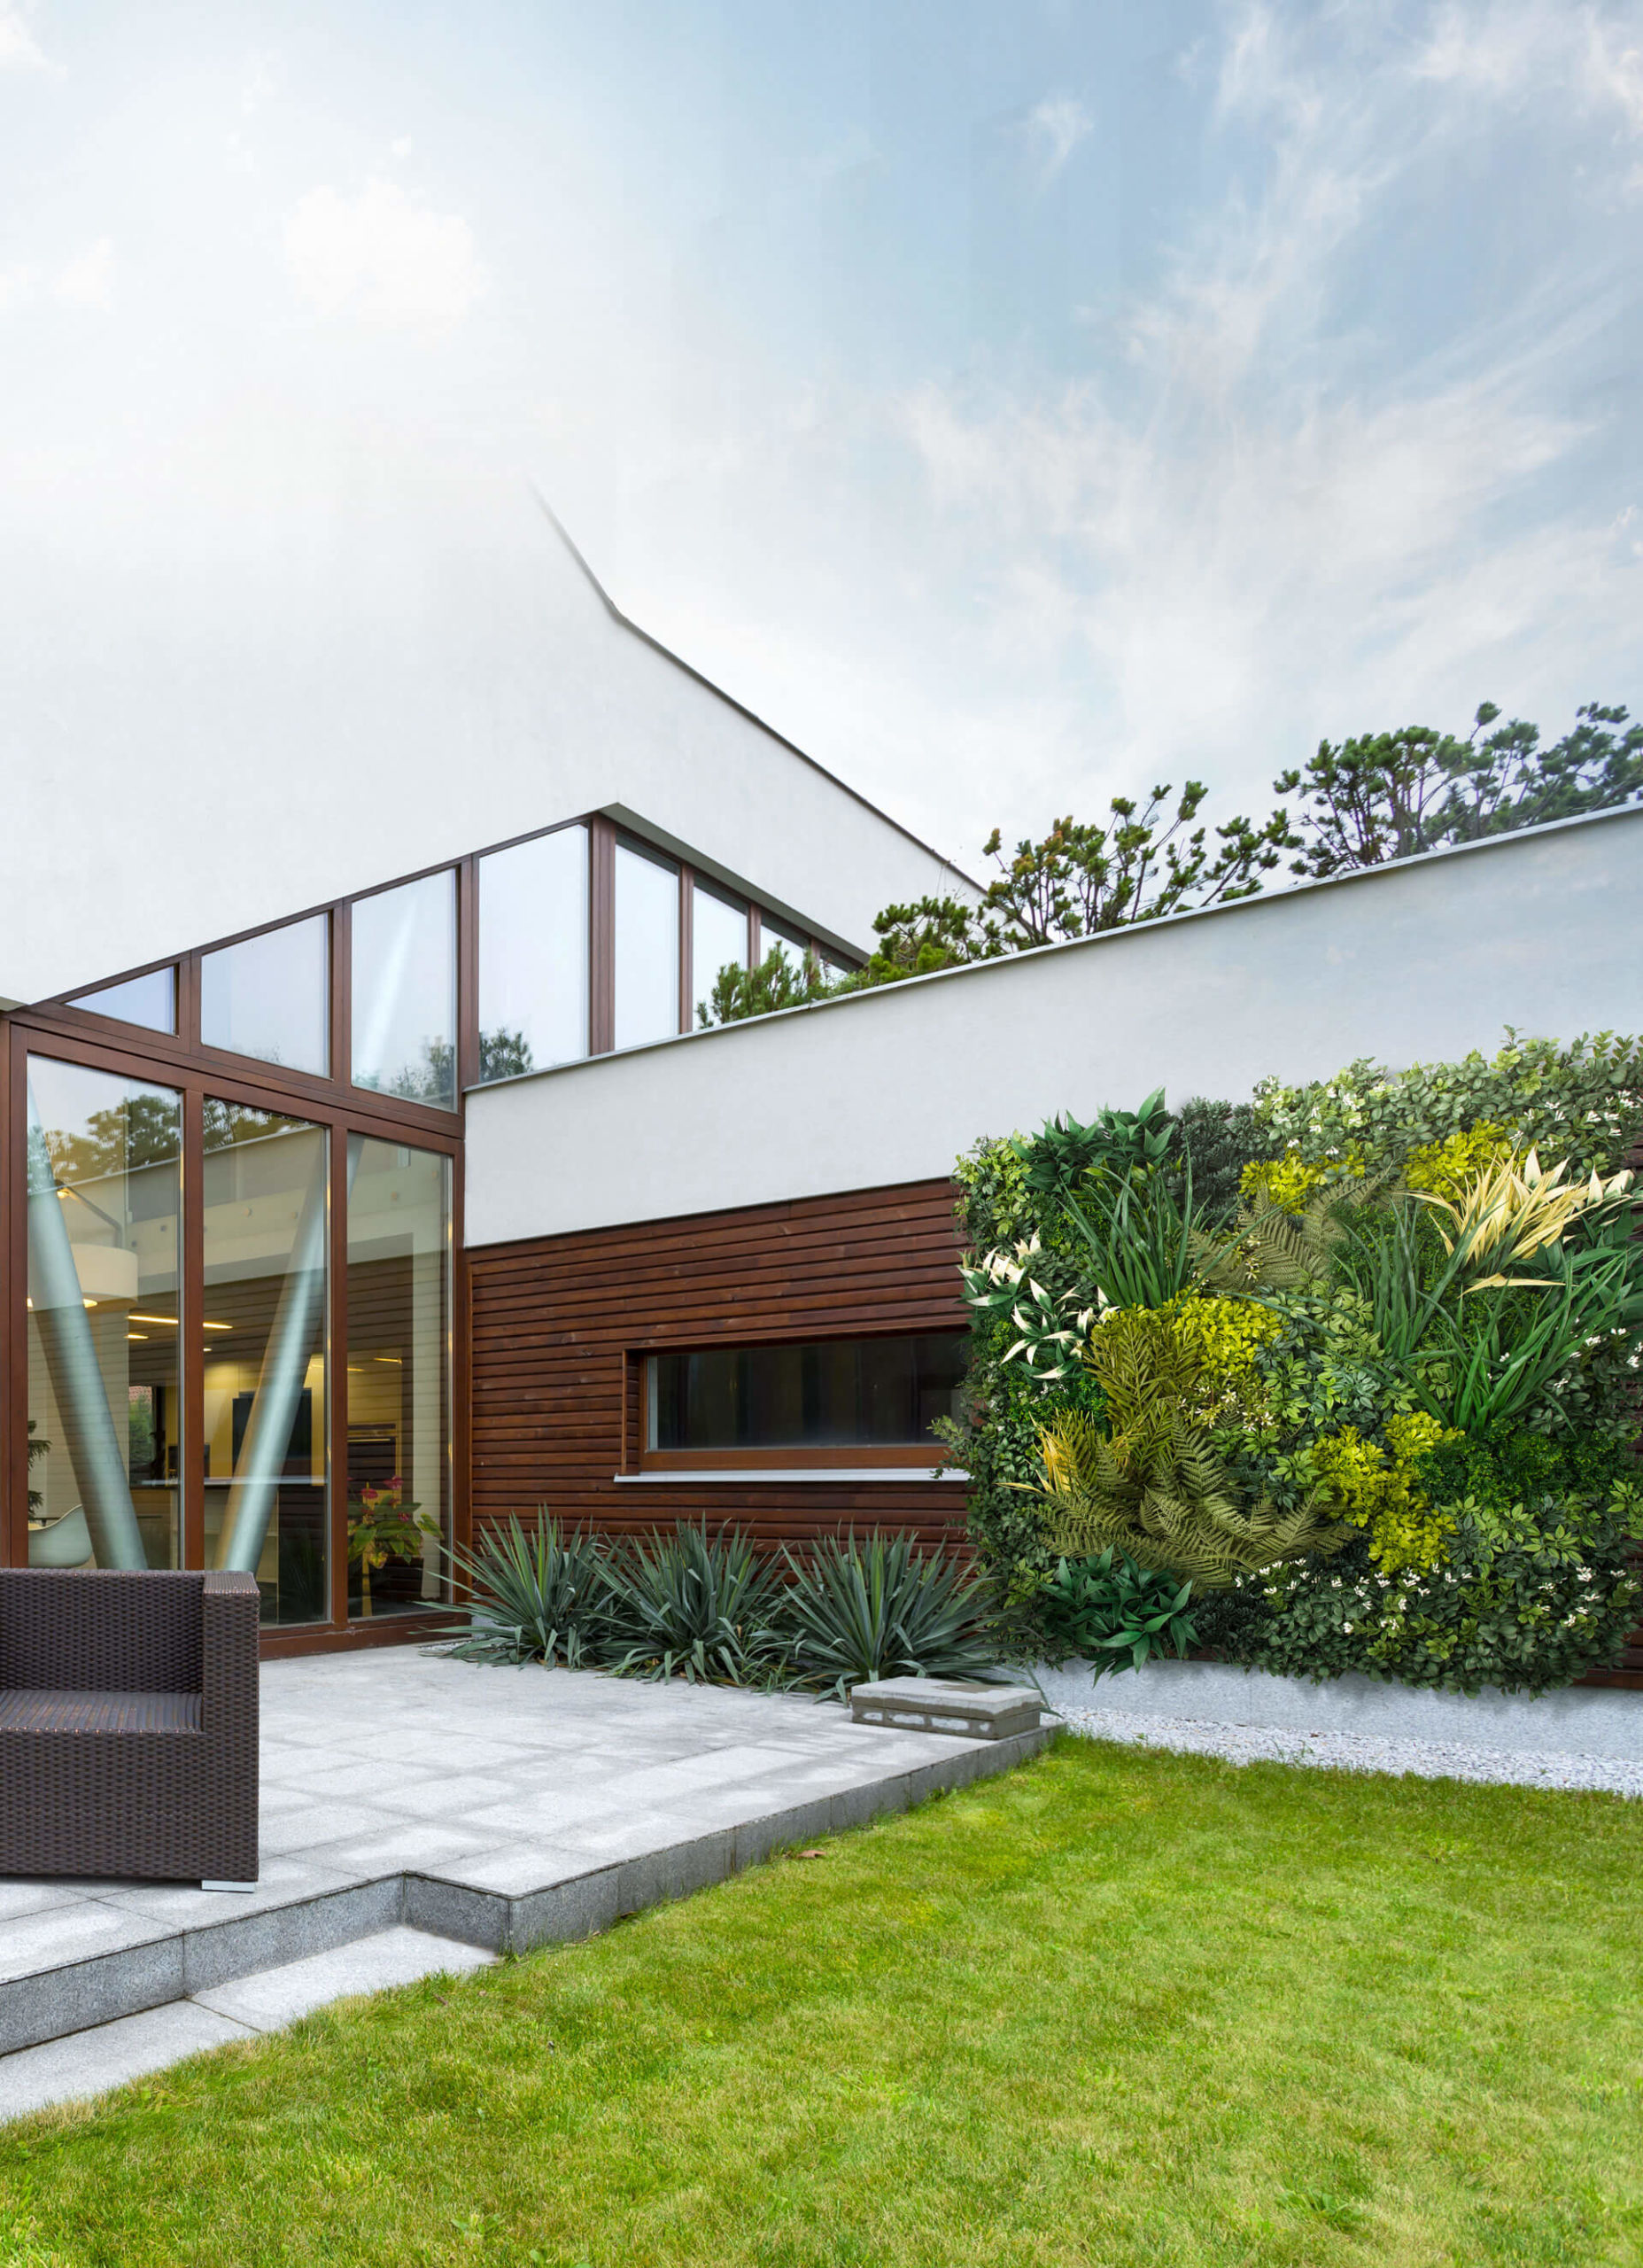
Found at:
[1354, 1363]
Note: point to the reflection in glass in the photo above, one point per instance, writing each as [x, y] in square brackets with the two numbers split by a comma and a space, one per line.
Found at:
[833, 1393]
[718, 939]
[104, 1178]
[646, 948]
[405, 990]
[151, 1000]
[399, 1376]
[533, 954]
[270, 996]
[265, 1237]
[772, 934]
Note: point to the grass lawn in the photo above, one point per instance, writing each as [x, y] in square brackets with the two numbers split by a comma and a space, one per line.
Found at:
[1118, 2007]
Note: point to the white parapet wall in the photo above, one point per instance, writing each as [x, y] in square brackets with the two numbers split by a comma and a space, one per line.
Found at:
[1420, 961]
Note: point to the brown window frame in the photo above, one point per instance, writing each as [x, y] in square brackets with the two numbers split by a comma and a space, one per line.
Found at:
[639, 1457]
[181, 1060]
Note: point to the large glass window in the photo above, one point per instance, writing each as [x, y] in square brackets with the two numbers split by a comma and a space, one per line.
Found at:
[533, 954]
[833, 1392]
[267, 1213]
[405, 991]
[647, 947]
[270, 995]
[399, 1376]
[151, 1000]
[718, 940]
[103, 1187]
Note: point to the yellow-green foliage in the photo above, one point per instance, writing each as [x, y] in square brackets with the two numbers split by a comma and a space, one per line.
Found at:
[1445, 1168]
[1149, 1478]
[1378, 1493]
[1221, 1335]
[1285, 1182]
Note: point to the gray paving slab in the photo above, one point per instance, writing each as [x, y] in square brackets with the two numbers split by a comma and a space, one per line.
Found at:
[62, 1935]
[502, 1809]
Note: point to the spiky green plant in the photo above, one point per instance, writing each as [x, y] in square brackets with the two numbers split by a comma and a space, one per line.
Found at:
[1142, 1242]
[539, 1597]
[1146, 1479]
[858, 1611]
[697, 1606]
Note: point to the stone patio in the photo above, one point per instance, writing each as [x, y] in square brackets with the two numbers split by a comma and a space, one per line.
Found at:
[489, 1810]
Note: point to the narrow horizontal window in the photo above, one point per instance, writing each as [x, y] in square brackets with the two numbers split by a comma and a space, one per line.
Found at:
[826, 1394]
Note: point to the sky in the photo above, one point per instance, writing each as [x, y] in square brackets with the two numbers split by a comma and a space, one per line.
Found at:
[1015, 404]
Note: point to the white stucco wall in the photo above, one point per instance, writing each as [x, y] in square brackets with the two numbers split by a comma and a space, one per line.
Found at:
[207, 723]
[1425, 960]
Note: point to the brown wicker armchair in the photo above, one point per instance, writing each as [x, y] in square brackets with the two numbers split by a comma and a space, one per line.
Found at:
[129, 1725]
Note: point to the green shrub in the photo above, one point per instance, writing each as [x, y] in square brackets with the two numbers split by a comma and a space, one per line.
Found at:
[542, 1598]
[1418, 1277]
[1582, 1102]
[1114, 1614]
[854, 1612]
[696, 1606]
[1537, 1587]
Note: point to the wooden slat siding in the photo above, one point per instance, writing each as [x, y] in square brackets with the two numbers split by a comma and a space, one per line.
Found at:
[557, 1321]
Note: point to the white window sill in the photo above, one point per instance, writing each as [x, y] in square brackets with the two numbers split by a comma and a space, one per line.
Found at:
[784, 1473]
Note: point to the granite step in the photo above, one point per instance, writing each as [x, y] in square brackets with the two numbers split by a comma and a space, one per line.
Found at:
[104, 2056]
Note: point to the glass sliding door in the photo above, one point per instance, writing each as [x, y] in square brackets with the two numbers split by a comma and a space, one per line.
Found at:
[399, 1376]
[103, 1185]
[265, 1230]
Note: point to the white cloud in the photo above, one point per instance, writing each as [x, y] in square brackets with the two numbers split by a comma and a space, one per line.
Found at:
[1257, 531]
[1509, 48]
[382, 258]
[87, 281]
[1058, 125]
[19, 48]
[17, 285]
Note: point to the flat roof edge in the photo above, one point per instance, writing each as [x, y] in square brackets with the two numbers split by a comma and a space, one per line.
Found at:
[1516, 838]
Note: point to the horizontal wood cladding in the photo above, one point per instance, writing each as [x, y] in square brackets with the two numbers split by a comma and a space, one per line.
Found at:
[558, 1323]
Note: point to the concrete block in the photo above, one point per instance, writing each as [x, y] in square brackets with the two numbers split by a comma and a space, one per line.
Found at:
[293, 1932]
[675, 1870]
[578, 1908]
[1580, 1721]
[53, 2001]
[940, 1705]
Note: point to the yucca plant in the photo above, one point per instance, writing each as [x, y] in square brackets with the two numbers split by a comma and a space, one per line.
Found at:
[541, 1598]
[854, 1612]
[697, 1606]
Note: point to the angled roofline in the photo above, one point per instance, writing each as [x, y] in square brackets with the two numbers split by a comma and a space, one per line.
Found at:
[626, 622]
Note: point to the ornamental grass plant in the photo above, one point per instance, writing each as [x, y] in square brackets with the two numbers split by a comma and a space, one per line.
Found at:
[709, 1607]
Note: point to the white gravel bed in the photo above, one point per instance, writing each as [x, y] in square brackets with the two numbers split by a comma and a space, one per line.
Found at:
[1340, 1751]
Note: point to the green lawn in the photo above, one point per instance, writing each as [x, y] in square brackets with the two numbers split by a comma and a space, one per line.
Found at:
[1117, 2006]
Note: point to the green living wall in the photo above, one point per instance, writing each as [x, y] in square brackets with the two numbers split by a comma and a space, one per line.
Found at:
[1356, 1362]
